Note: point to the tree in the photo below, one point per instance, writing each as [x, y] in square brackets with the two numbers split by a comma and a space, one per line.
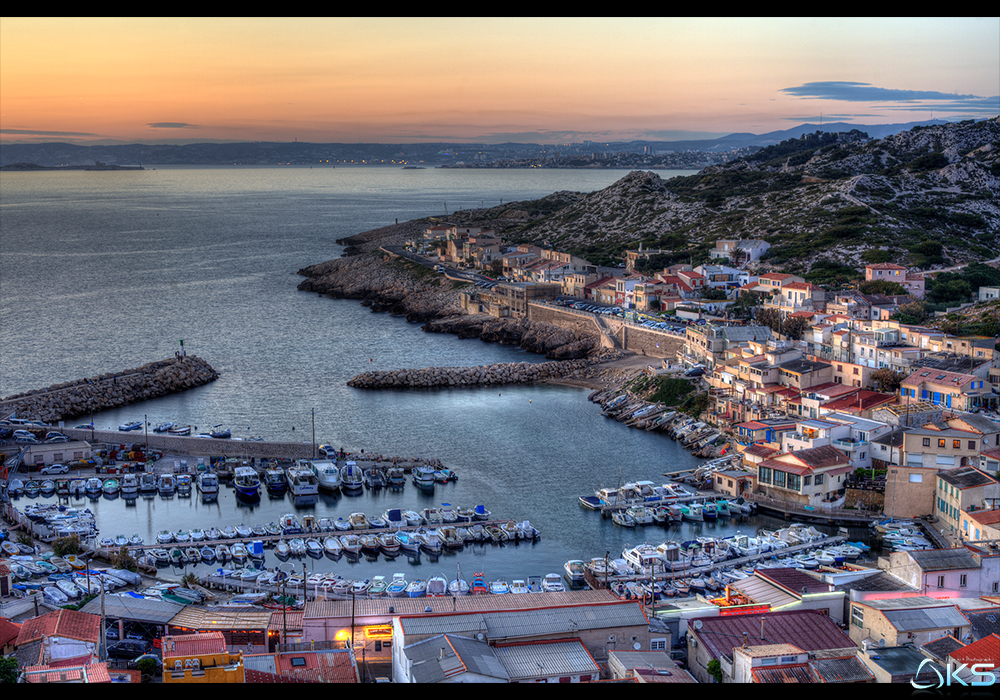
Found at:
[887, 380]
[8, 669]
[714, 669]
[881, 287]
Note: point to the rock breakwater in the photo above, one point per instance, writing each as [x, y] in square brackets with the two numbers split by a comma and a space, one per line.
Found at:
[85, 396]
[483, 375]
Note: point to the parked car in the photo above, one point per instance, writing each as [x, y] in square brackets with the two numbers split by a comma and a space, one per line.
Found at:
[128, 649]
[54, 469]
[694, 372]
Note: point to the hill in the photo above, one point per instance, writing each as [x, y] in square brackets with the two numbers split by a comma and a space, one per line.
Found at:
[926, 197]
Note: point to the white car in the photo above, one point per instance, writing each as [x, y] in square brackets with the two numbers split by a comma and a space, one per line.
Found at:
[54, 469]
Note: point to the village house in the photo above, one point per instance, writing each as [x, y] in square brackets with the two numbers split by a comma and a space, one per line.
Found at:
[724, 277]
[646, 667]
[960, 572]
[895, 621]
[200, 658]
[912, 283]
[739, 252]
[812, 477]
[955, 390]
[961, 491]
[984, 525]
[718, 638]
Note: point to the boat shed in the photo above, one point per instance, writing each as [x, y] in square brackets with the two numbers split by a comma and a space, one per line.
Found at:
[600, 629]
[369, 622]
[243, 629]
[150, 613]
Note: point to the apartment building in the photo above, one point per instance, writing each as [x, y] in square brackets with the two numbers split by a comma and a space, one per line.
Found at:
[964, 490]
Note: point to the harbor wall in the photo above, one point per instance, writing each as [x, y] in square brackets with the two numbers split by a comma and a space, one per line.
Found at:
[626, 336]
[495, 374]
[112, 390]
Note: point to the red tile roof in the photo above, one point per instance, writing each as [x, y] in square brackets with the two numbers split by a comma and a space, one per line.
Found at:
[8, 631]
[194, 644]
[90, 673]
[327, 667]
[70, 624]
[984, 651]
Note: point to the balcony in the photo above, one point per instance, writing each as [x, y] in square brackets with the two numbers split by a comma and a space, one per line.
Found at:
[849, 445]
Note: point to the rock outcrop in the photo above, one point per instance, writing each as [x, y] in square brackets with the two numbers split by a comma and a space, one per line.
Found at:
[85, 396]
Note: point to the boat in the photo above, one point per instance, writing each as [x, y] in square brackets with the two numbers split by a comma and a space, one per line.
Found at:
[16, 487]
[375, 478]
[184, 484]
[429, 541]
[207, 483]
[408, 541]
[443, 475]
[180, 430]
[134, 425]
[479, 586]
[239, 552]
[313, 548]
[499, 587]
[68, 588]
[94, 485]
[424, 476]
[450, 538]
[395, 477]
[358, 521]
[351, 544]
[243, 530]
[458, 585]
[396, 587]
[437, 586]
[622, 518]
[282, 550]
[220, 434]
[431, 517]
[274, 480]
[32, 487]
[575, 571]
[54, 596]
[482, 513]
[416, 589]
[552, 583]
[166, 484]
[163, 427]
[326, 473]
[129, 484]
[378, 587]
[388, 544]
[48, 487]
[147, 482]
[352, 478]
[332, 546]
[301, 479]
[246, 482]
[222, 553]
[693, 511]
[518, 585]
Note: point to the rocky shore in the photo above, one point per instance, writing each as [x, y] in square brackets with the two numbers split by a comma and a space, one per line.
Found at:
[84, 396]
[385, 285]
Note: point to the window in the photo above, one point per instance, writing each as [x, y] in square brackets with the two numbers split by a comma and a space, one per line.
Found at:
[940, 581]
[819, 479]
[941, 442]
[857, 616]
[927, 442]
[779, 478]
[956, 444]
[764, 476]
[794, 482]
[963, 580]
[972, 444]
[657, 644]
[916, 478]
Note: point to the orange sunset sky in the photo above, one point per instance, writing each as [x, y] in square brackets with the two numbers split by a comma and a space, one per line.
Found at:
[547, 80]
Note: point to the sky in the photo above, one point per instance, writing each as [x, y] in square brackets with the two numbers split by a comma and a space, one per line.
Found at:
[483, 80]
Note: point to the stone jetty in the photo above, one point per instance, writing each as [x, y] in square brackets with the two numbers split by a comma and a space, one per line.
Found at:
[483, 375]
[84, 396]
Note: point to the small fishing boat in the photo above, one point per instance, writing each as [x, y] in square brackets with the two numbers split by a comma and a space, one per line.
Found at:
[110, 486]
[424, 477]
[314, 548]
[499, 587]
[518, 585]
[437, 586]
[388, 544]
[416, 589]
[246, 482]
[94, 485]
[479, 586]
[274, 480]
[163, 427]
[458, 585]
[332, 546]
[222, 553]
[134, 425]
[397, 587]
[179, 430]
[552, 582]
[166, 484]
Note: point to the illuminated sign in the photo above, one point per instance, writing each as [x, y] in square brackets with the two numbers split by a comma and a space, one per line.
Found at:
[378, 632]
[744, 610]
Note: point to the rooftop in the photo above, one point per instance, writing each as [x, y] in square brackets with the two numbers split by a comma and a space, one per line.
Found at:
[966, 478]
[809, 630]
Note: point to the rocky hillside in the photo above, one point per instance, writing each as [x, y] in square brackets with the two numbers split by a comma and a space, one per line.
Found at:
[925, 197]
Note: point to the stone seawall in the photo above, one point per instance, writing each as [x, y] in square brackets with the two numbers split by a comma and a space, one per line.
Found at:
[483, 375]
[85, 396]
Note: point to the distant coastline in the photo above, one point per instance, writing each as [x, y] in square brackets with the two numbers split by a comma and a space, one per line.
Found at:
[29, 167]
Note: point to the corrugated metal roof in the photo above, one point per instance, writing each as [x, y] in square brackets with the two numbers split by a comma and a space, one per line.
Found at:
[199, 618]
[550, 659]
[909, 620]
[527, 623]
[149, 610]
[761, 591]
[379, 607]
[846, 670]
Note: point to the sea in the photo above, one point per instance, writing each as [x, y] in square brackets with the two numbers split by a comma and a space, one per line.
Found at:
[109, 270]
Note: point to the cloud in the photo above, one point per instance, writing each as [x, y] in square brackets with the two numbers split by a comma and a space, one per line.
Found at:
[39, 132]
[898, 100]
[172, 125]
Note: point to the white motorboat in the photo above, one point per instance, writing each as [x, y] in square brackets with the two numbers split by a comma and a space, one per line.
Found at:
[575, 571]
[388, 544]
[163, 427]
[552, 582]
[289, 524]
[424, 476]
[129, 484]
[94, 485]
[332, 546]
[436, 586]
[499, 587]
[166, 484]
[326, 473]
[301, 479]
[147, 482]
[518, 585]
[207, 483]
[358, 521]
[416, 589]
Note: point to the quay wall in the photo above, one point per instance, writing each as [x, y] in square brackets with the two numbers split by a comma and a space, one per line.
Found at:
[84, 396]
[194, 446]
[627, 336]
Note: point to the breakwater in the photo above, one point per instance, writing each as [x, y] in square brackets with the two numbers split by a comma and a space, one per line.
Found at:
[112, 390]
[483, 375]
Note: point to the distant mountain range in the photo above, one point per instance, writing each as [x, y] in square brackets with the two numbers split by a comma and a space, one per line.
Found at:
[320, 154]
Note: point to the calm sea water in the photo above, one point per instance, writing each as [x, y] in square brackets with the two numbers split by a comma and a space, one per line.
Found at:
[104, 271]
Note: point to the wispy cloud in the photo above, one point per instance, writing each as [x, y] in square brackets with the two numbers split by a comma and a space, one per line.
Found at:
[39, 132]
[172, 125]
[896, 100]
